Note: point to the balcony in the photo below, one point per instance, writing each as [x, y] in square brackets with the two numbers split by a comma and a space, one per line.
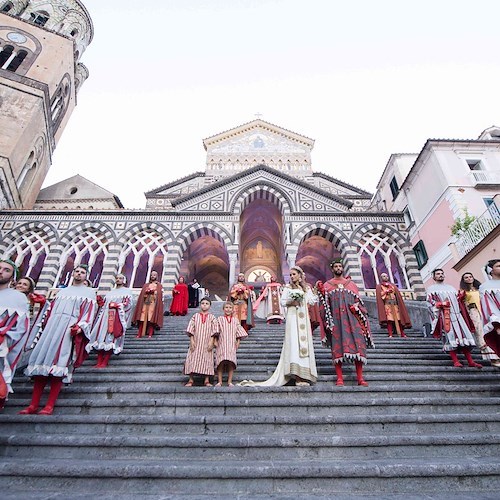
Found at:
[478, 231]
[485, 178]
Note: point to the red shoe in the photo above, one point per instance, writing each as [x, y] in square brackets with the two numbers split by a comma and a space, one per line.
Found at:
[363, 383]
[476, 365]
[30, 410]
[46, 411]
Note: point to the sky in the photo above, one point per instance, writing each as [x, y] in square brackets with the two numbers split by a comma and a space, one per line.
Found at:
[363, 78]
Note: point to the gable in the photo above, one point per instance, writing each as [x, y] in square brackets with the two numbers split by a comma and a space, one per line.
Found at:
[225, 195]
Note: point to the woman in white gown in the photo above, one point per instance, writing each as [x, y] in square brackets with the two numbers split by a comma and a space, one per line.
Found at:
[297, 359]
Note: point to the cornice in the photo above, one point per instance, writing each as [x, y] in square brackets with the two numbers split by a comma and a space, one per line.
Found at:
[175, 183]
[341, 183]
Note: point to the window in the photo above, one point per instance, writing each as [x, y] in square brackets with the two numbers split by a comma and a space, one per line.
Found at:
[475, 164]
[420, 254]
[7, 6]
[17, 61]
[394, 188]
[39, 18]
[408, 217]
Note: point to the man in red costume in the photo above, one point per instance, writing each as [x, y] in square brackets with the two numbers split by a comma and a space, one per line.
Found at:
[148, 314]
[450, 321]
[268, 305]
[392, 312]
[241, 298]
[344, 326]
[180, 299]
[61, 347]
[14, 324]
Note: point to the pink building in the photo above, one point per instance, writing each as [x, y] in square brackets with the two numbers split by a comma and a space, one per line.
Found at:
[450, 195]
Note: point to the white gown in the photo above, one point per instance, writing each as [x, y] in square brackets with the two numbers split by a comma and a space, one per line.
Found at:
[297, 355]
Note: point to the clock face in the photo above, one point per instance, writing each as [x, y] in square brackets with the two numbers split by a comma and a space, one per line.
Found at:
[17, 37]
[259, 275]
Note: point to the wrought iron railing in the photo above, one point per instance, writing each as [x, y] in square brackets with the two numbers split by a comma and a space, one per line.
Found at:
[478, 230]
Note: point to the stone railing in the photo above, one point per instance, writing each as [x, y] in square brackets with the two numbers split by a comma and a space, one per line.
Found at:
[478, 230]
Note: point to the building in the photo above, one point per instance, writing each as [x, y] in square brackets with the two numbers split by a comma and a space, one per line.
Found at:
[41, 43]
[257, 207]
[449, 194]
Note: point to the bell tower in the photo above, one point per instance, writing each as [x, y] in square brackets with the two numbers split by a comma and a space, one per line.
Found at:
[41, 43]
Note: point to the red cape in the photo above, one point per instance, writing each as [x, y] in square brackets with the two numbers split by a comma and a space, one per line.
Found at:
[403, 312]
[158, 312]
[180, 299]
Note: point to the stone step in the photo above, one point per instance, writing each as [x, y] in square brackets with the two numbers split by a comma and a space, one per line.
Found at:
[240, 448]
[387, 424]
[359, 404]
[292, 476]
[174, 387]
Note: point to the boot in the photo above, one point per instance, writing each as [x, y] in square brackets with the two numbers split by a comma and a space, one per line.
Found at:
[105, 358]
[99, 359]
[454, 358]
[151, 330]
[403, 334]
[390, 330]
[38, 387]
[55, 388]
[468, 357]
[359, 373]
[4, 390]
[338, 371]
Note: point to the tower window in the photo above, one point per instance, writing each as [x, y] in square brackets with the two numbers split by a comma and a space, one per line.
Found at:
[7, 7]
[17, 61]
[39, 18]
[6, 55]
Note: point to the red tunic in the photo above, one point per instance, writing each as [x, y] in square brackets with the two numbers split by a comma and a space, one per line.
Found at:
[345, 327]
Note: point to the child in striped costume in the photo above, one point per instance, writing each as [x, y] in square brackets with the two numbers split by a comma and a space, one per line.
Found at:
[227, 343]
[201, 331]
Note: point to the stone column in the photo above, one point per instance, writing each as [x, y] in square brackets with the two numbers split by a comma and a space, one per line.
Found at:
[233, 259]
[171, 267]
[48, 276]
[110, 268]
[352, 267]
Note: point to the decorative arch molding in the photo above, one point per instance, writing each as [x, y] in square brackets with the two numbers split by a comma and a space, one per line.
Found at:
[259, 191]
[331, 233]
[20, 232]
[72, 234]
[191, 233]
[165, 232]
[398, 238]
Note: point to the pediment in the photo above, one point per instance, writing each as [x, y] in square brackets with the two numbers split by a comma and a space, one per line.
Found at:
[224, 195]
[258, 135]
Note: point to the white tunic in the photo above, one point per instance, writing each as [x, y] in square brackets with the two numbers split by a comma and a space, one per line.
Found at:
[54, 353]
[100, 339]
[459, 334]
[490, 304]
[14, 327]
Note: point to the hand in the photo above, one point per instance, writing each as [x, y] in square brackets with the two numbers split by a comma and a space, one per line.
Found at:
[210, 347]
[75, 330]
[192, 346]
[293, 303]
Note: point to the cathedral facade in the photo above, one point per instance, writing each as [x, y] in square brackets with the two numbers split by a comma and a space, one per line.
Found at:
[257, 207]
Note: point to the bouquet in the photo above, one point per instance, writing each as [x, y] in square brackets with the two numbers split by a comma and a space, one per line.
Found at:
[297, 294]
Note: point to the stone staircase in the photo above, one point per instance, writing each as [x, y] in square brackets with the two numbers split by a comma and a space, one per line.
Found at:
[422, 429]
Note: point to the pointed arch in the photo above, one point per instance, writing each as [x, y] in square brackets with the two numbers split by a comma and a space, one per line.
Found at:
[191, 233]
